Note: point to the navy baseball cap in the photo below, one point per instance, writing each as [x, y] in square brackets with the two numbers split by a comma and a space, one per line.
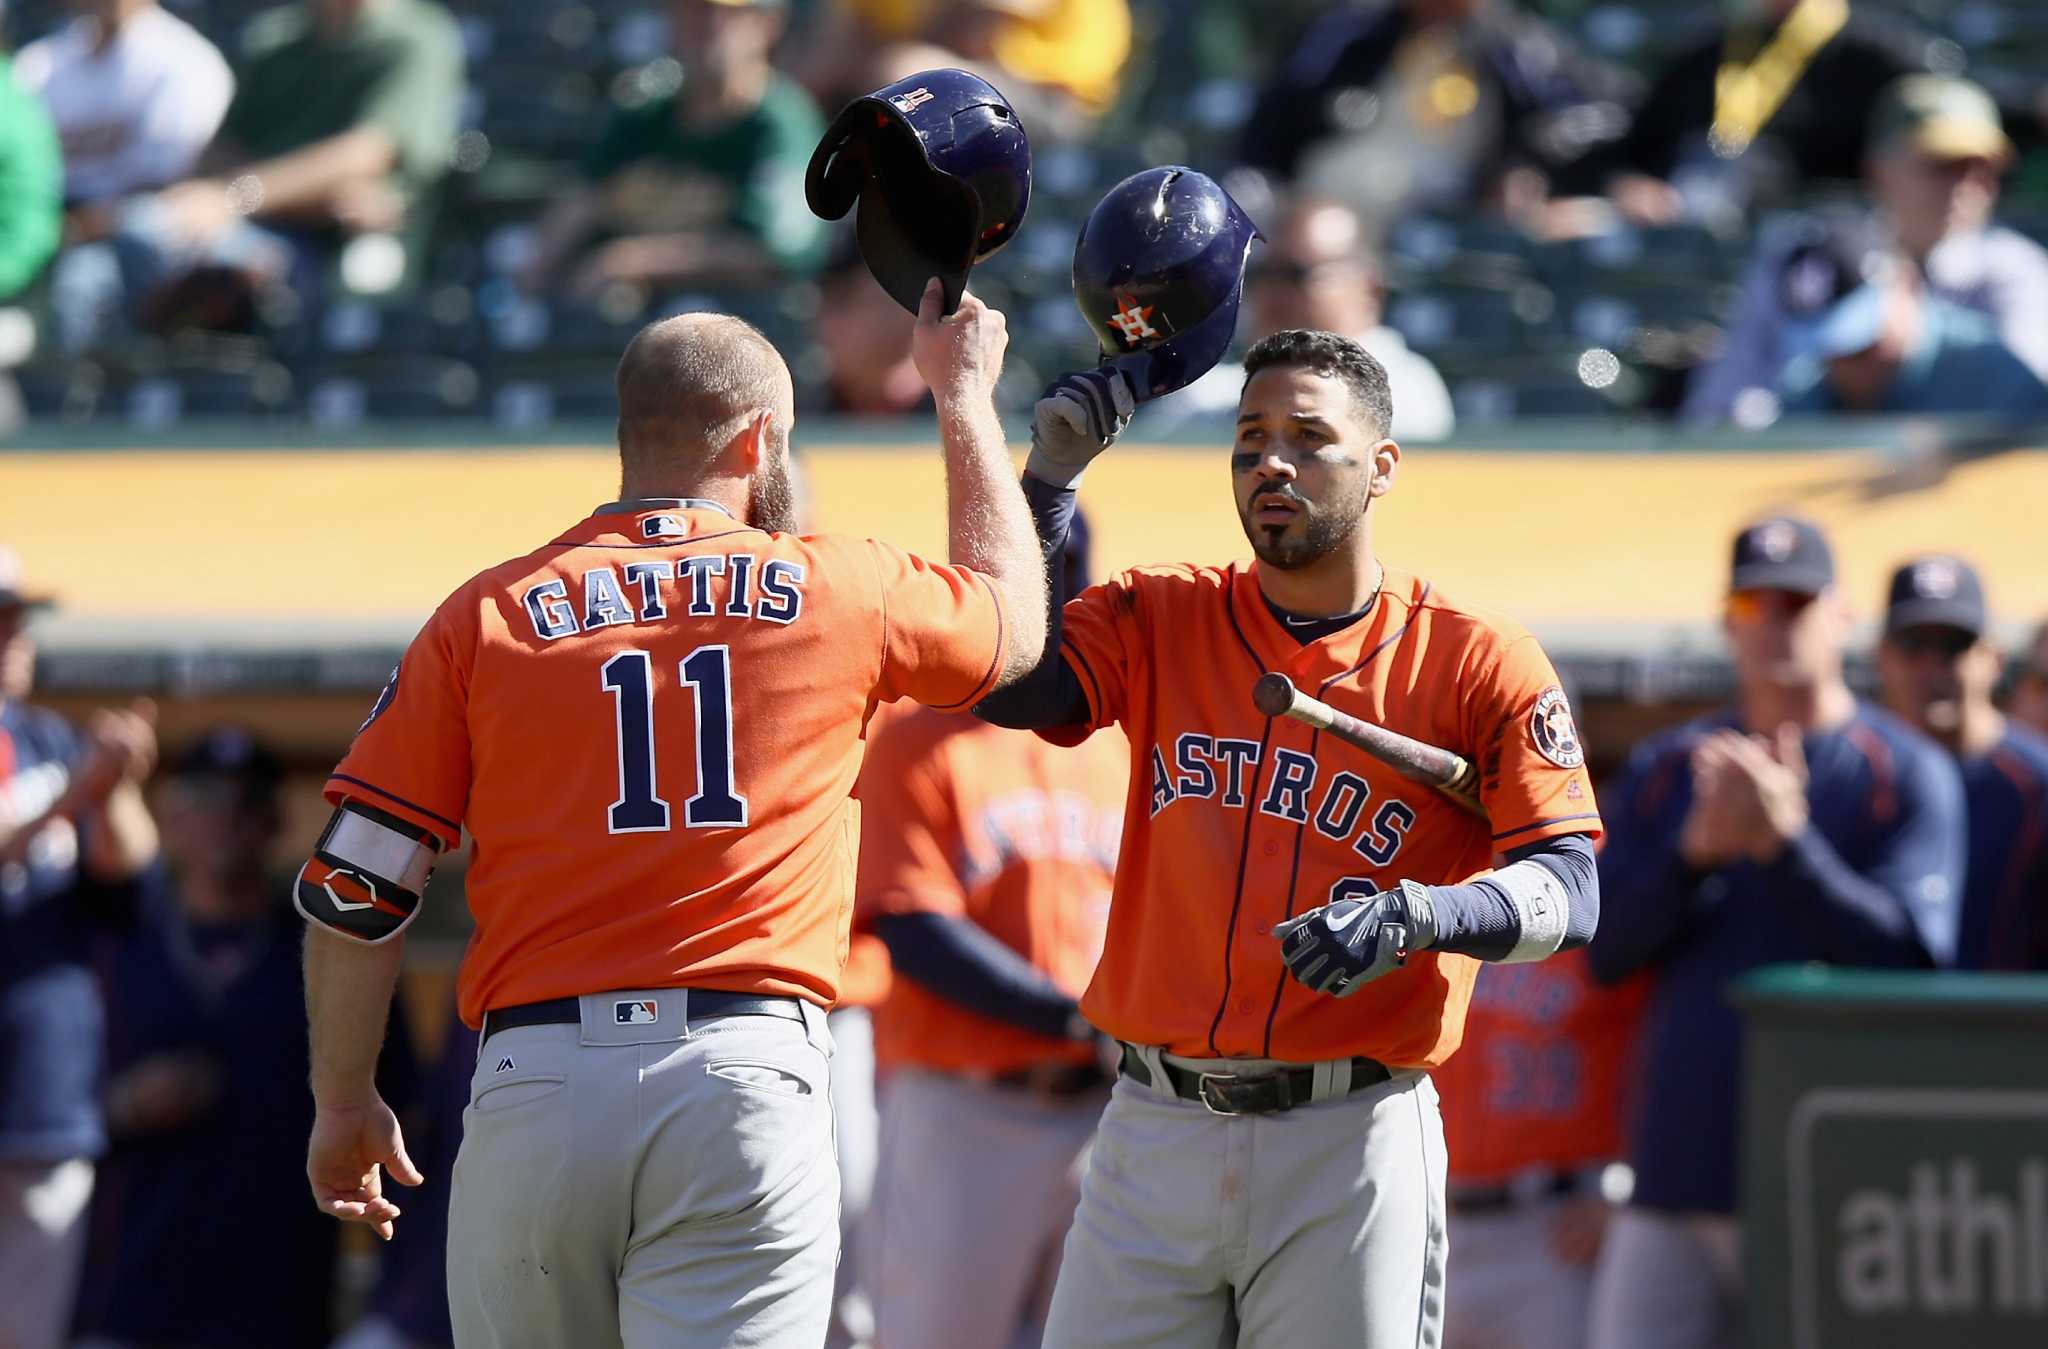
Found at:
[1784, 552]
[231, 753]
[1938, 591]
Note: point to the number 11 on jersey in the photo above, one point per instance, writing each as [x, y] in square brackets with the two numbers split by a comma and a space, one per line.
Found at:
[629, 678]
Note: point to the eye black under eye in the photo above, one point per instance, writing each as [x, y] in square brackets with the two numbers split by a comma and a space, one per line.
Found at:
[1243, 459]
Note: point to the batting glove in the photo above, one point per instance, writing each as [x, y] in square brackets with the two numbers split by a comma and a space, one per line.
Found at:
[1080, 416]
[1348, 943]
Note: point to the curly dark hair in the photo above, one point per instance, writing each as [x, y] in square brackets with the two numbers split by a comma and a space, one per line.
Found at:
[1334, 356]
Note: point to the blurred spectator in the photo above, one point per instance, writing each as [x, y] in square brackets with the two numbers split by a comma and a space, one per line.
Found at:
[1937, 668]
[409, 1309]
[206, 1097]
[866, 340]
[136, 93]
[1318, 270]
[1797, 825]
[1416, 104]
[1533, 1107]
[341, 127]
[31, 185]
[1889, 346]
[74, 833]
[1775, 95]
[2029, 704]
[701, 185]
[1938, 148]
[1058, 61]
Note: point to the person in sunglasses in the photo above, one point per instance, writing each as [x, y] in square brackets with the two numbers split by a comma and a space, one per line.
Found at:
[1800, 824]
[1937, 670]
[1319, 271]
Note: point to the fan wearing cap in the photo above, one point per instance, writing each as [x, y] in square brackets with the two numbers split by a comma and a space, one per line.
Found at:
[1937, 667]
[1800, 824]
[1936, 154]
[206, 1069]
[74, 833]
[699, 184]
[1889, 346]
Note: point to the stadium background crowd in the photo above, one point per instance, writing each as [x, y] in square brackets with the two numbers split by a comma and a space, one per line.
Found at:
[327, 217]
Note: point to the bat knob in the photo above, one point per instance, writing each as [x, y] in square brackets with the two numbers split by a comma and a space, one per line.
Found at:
[1273, 694]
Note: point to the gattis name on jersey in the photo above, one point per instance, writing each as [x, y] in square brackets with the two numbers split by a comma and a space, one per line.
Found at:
[705, 585]
[1207, 767]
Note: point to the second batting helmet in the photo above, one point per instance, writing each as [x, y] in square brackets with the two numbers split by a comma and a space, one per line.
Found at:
[942, 170]
[1158, 273]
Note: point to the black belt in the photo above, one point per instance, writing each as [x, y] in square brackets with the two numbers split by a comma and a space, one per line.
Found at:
[1057, 1081]
[701, 1002]
[1262, 1093]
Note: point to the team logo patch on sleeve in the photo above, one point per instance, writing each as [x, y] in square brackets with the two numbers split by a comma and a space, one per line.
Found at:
[384, 698]
[1555, 733]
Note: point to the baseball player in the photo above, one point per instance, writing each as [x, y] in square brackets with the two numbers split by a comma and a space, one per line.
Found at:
[75, 836]
[1937, 669]
[1797, 825]
[1295, 927]
[986, 865]
[650, 727]
[1533, 1109]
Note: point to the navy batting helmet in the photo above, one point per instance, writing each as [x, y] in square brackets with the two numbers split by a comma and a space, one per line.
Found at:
[942, 169]
[1158, 272]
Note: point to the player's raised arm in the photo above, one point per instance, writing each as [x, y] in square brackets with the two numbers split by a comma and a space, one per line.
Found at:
[988, 527]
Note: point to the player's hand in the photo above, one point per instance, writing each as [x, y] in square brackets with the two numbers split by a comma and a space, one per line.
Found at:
[960, 355]
[164, 1091]
[1347, 943]
[1080, 416]
[351, 1149]
[120, 747]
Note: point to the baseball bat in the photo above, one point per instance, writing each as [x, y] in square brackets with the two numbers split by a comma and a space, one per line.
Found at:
[1446, 770]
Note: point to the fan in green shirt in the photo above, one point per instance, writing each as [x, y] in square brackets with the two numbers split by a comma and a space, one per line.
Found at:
[704, 182]
[31, 186]
[343, 120]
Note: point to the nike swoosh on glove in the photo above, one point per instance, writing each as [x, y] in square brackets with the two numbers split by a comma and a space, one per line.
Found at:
[1347, 943]
[1080, 416]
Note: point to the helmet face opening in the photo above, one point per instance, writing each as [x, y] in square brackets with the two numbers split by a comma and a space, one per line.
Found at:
[917, 225]
[942, 171]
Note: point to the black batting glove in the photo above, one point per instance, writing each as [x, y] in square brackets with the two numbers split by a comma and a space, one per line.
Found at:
[1347, 943]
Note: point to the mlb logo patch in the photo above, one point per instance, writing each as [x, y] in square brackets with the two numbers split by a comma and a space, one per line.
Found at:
[636, 1012]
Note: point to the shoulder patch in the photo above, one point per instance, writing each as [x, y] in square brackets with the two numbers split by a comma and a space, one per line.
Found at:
[1555, 733]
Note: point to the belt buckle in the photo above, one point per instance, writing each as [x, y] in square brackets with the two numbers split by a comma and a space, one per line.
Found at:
[1218, 1102]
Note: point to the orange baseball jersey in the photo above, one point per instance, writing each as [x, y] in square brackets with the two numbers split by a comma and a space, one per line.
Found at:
[868, 975]
[1237, 822]
[1001, 828]
[651, 728]
[1543, 1079]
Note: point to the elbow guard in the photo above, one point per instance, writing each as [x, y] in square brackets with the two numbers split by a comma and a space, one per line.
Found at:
[366, 873]
[1541, 905]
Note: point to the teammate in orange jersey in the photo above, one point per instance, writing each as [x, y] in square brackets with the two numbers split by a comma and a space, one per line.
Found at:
[1534, 1106]
[1295, 927]
[650, 727]
[986, 862]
